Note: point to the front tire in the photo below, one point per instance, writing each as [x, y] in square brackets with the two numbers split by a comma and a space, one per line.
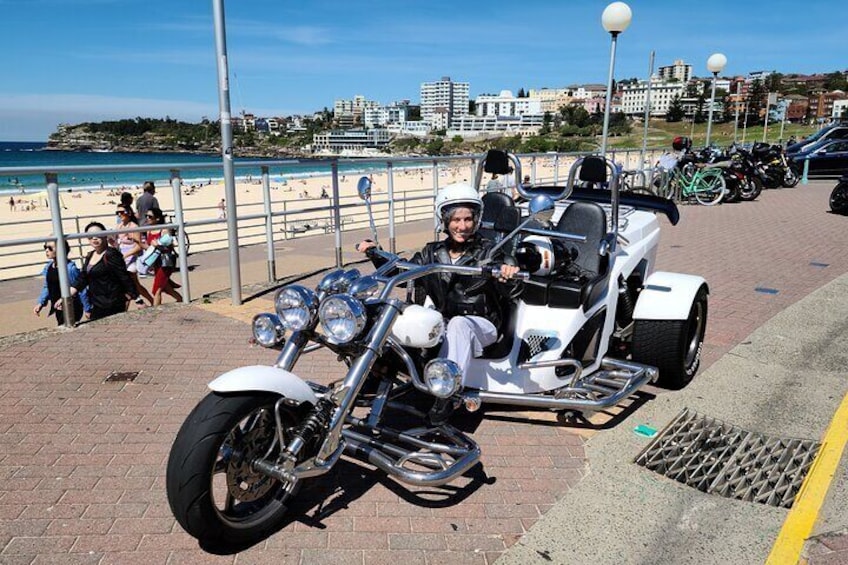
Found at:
[214, 493]
[673, 346]
[751, 190]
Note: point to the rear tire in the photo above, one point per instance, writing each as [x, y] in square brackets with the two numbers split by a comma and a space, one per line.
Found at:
[214, 493]
[673, 346]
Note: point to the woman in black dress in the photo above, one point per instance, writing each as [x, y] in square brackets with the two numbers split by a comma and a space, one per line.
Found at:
[104, 273]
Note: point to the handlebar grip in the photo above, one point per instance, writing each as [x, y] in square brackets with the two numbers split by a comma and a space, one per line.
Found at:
[495, 272]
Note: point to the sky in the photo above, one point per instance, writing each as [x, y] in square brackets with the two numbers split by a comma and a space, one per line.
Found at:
[69, 61]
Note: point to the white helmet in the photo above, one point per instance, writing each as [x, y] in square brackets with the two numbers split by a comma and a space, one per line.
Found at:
[457, 195]
[418, 326]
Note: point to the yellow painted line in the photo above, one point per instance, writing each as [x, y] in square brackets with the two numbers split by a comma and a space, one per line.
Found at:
[805, 511]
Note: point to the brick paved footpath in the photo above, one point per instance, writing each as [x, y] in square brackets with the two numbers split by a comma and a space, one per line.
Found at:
[83, 461]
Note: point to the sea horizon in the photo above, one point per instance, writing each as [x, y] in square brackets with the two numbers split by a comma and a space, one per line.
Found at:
[33, 154]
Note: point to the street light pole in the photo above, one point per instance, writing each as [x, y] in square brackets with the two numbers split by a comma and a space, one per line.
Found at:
[715, 64]
[615, 19]
[647, 112]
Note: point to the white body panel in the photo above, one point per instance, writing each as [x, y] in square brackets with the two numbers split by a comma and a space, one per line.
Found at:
[269, 379]
[667, 296]
[641, 230]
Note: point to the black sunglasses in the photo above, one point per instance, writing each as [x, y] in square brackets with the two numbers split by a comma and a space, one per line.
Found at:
[49, 247]
[121, 213]
[151, 216]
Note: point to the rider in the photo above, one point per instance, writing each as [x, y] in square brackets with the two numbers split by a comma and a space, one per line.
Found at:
[472, 306]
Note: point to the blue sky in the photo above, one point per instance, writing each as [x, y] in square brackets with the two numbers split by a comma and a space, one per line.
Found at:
[92, 60]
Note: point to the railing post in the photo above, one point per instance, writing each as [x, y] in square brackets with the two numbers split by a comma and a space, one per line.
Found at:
[404, 206]
[178, 213]
[79, 241]
[285, 220]
[337, 219]
[61, 254]
[435, 190]
[804, 179]
[532, 170]
[556, 169]
[473, 169]
[391, 192]
[269, 224]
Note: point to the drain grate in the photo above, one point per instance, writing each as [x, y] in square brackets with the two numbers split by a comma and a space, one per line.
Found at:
[719, 458]
[121, 376]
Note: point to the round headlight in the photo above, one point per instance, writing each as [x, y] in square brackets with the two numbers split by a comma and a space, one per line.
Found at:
[342, 317]
[442, 377]
[364, 287]
[297, 307]
[268, 330]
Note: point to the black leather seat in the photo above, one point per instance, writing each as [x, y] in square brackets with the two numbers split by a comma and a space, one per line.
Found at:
[583, 286]
[500, 216]
[593, 172]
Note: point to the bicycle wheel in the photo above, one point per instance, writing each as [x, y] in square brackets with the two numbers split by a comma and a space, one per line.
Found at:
[709, 189]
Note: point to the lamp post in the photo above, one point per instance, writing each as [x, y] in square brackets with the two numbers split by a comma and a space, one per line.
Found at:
[615, 19]
[715, 64]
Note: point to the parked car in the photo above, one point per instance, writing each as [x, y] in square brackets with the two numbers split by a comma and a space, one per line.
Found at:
[827, 158]
[839, 131]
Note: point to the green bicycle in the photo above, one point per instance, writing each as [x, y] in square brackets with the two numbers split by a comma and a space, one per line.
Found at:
[705, 184]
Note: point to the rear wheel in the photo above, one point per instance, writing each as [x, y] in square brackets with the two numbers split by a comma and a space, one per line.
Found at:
[215, 493]
[673, 346]
[839, 199]
[709, 189]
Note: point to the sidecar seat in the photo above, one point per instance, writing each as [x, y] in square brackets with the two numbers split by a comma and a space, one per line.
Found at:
[593, 172]
[500, 216]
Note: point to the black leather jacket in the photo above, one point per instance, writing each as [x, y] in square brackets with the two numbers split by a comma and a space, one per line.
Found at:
[460, 295]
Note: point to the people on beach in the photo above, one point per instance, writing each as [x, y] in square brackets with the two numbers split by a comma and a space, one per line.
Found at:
[127, 200]
[12, 204]
[167, 262]
[51, 293]
[129, 244]
[222, 209]
[147, 200]
[104, 274]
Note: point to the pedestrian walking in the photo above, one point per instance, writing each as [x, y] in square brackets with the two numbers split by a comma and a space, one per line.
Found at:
[51, 293]
[222, 209]
[147, 200]
[12, 204]
[167, 261]
[104, 274]
[129, 244]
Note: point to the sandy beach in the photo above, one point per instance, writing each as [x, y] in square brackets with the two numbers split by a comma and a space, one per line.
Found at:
[31, 216]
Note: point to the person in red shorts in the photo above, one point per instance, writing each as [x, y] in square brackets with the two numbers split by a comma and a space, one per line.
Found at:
[167, 262]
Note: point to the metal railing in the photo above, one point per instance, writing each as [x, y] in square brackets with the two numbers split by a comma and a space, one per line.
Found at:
[259, 223]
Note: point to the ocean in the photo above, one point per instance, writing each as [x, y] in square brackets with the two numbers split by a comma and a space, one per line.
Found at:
[33, 154]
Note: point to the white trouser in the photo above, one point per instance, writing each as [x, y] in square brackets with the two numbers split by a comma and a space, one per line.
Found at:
[465, 338]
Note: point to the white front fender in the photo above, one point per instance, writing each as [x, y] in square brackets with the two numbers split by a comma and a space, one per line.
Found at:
[269, 379]
[667, 296]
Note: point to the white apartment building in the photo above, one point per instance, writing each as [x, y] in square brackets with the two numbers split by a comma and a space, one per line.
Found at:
[505, 104]
[679, 71]
[382, 116]
[662, 93]
[350, 140]
[526, 124]
[347, 111]
[839, 108]
[444, 96]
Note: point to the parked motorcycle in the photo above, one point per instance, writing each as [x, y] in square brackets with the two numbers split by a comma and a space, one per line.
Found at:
[839, 197]
[751, 184]
[777, 169]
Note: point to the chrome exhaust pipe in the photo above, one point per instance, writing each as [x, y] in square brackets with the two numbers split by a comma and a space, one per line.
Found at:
[370, 450]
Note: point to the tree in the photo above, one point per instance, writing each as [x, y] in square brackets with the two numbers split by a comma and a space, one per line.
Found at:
[435, 146]
[756, 101]
[521, 93]
[836, 81]
[675, 110]
[546, 123]
[472, 107]
[774, 82]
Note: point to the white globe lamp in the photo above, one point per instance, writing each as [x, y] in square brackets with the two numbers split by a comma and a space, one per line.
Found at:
[715, 64]
[615, 19]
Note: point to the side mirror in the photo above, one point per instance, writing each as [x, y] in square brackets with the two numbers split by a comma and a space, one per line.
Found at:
[541, 208]
[363, 187]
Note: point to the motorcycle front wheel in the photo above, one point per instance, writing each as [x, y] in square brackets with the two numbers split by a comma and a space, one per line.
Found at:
[751, 188]
[839, 199]
[214, 493]
[790, 178]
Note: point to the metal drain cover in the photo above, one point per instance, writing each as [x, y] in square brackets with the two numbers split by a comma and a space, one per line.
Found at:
[719, 458]
[121, 376]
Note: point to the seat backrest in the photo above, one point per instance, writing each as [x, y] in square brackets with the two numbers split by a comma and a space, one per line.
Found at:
[593, 169]
[497, 162]
[589, 219]
[491, 224]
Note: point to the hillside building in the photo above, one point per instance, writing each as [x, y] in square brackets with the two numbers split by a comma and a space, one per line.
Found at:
[442, 101]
